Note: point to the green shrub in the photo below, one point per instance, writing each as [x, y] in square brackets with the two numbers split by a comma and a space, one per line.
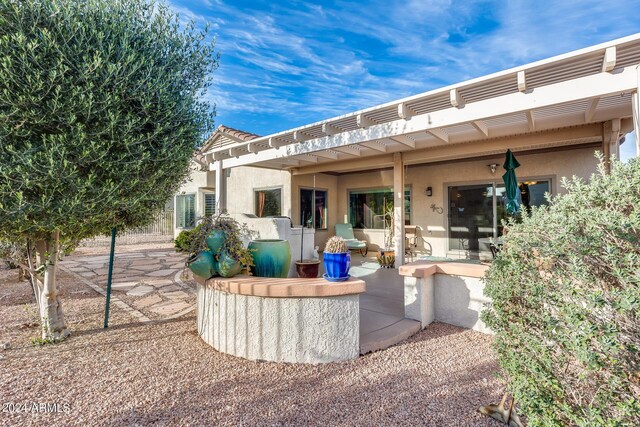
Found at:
[566, 304]
[185, 240]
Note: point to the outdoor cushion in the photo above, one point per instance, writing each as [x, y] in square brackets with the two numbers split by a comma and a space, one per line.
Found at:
[346, 232]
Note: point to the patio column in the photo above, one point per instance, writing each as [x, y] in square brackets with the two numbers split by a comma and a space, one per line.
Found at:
[221, 191]
[398, 208]
[611, 141]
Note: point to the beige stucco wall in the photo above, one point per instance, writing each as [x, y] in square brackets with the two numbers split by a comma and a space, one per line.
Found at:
[199, 183]
[433, 225]
[243, 181]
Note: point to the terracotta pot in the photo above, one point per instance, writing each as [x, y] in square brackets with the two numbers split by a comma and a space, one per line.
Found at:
[308, 268]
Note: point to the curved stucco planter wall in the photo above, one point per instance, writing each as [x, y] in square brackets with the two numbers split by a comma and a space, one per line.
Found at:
[281, 320]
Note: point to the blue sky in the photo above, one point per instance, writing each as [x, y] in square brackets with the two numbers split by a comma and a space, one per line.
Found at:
[288, 63]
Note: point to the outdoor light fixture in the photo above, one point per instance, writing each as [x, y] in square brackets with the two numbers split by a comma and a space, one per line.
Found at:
[493, 167]
[429, 192]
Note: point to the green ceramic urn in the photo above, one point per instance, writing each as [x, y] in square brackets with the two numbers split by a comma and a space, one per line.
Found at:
[203, 264]
[271, 257]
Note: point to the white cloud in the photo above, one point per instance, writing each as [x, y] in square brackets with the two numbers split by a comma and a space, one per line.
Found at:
[297, 62]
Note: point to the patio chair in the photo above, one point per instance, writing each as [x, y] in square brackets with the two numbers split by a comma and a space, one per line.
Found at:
[410, 240]
[346, 232]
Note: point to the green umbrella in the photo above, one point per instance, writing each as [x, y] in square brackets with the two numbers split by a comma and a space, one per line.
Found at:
[511, 183]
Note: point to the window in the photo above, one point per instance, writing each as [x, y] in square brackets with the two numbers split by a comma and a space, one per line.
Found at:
[186, 210]
[268, 202]
[476, 211]
[369, 208]
[209, 204]
[313, 212]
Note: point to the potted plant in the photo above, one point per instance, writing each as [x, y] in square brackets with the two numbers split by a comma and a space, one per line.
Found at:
[387, 256]
[337, 260]
[216, 248]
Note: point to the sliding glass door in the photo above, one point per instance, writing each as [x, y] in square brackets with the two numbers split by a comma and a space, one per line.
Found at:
[476, 212]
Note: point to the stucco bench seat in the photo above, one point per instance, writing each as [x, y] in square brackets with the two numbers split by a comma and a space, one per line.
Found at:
[449, 292]
[281, 320]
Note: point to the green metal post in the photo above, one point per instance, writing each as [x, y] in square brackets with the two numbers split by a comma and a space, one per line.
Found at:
[113, 245]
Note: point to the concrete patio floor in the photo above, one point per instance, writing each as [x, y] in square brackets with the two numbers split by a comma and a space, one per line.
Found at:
[382, 321]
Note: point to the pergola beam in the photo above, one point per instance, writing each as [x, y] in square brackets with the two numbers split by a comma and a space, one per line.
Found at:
[347, 149]
[522, 81]
[277, 143]
[455, 98]
[364, 122]
[300, 136]
[481, 127]
[330, 130]
[307, 158]
[440, 134]
[235, 152]
[609, 61]
[375, 145]
[252, 147]
[404, 140]
[591, 109]
[327, 154]
[405, 112]
[531, 122]
[586, 87]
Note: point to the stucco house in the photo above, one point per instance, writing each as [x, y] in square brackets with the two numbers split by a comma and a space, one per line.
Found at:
[436, 157]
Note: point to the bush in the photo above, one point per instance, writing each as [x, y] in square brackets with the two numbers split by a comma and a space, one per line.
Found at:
[566, 304]
[185, 240]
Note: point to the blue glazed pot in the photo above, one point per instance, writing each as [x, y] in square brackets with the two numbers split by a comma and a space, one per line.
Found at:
[228, 266]
[203, 265]
[272, 257]
[337, 265]
[215, 240]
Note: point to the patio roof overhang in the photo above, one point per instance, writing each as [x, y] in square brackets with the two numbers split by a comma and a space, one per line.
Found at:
[569, 96]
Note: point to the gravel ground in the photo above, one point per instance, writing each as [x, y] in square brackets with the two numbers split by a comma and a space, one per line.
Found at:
[163, 374]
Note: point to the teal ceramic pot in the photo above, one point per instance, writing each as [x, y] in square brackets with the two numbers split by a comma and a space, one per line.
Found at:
[215, 240]
[271, 257]
[227, 266]
[203, 264]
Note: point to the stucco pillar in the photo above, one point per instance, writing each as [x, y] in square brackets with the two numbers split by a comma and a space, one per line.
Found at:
[398, 208]
[221, 191]
[611, 141]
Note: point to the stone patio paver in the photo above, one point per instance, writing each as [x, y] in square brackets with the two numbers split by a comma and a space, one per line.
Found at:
[140, 290]
[149, 281]
[161, 273]
[148, 301]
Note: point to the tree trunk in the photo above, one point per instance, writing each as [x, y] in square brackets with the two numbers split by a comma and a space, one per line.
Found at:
[50, 307]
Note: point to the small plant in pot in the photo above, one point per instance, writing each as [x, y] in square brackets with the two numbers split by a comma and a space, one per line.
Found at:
[216, 248]
[337, 260]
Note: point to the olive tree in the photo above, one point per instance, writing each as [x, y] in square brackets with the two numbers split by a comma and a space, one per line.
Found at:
[101, 108]
[566, 304]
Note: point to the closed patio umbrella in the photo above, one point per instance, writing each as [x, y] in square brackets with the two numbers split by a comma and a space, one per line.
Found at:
[511, 183]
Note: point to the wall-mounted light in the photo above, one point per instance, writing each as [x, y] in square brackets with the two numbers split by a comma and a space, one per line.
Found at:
[429, 192]
[493, 167]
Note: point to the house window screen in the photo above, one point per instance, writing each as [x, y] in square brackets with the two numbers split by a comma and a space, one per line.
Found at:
[186, 210]
[369, 208]
[209, 204]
